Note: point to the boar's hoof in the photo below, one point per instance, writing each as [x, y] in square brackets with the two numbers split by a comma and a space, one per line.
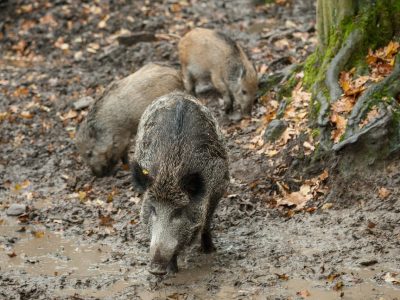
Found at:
[207, 245]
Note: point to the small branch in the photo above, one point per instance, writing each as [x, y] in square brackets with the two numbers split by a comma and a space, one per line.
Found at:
[338, 63]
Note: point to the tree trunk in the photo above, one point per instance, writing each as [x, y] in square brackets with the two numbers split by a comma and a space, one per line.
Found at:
[347, 29]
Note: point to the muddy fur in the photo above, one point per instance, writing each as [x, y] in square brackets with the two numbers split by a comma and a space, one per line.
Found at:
[211, 56]
[104, 136]
[181, 163]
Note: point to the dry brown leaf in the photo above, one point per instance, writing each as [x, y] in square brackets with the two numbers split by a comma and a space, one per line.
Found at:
[303, 293]
[327, 206]
[324, 175]
[82, 195]
[372, 115]
[21, 91]
[340, 123]
[383, 193]
[343, 105]
[332, 277]
[26, 115]
[106, 220]
[391, 277]
[282, 276]
[11, 254]
[38, 234]
[48, 20]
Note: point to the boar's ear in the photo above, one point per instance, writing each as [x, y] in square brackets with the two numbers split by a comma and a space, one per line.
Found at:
[193, 184]
[141, 178]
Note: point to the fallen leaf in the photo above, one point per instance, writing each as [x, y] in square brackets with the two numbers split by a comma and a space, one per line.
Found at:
[372, 115]
[38, 234]
[391, 277]
[324, 175]
[327, 206]
[26, 115]
[383, 193]
[371, 225]
[343, 105]
[12, 254]
[282, 276]
[82, 195]
[338, 286]
[340, 124]
[106, 220]
[303, 293]
[21, 91]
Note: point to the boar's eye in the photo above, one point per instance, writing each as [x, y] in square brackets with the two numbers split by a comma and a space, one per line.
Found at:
[141, 178]
[153, 210]
[193, 184]
[89, 154]
[244, 92]
[177, 213]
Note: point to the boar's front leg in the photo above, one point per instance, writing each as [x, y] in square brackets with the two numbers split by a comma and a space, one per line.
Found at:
[173, 265]
[223, 89]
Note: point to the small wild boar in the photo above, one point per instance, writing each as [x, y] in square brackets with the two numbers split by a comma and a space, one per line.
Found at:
[181, 165]
[211, 56]
[104, 136]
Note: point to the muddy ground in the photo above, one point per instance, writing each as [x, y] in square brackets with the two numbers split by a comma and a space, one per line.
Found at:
[80, 237]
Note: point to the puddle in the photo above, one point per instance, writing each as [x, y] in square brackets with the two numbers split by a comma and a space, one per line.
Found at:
[51, 254]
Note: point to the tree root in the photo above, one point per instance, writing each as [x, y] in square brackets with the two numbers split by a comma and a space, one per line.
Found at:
[375, 130]
[390, 87]
[338, 63]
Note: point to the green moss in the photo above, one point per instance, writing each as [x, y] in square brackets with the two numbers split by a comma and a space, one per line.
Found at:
[311, 69]
[315, 133]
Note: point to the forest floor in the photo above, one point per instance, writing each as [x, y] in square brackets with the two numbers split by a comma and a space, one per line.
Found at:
[288, 228]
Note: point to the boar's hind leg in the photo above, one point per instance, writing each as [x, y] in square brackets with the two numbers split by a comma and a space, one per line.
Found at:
[173, 265]
[125, 158]
[207, 245]
[223, 89]
[188, 81]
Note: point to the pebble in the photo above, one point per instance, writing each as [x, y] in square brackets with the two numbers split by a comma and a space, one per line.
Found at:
[16, 209]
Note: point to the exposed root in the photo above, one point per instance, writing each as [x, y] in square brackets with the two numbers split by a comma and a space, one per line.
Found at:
[338, 63]
[390, 86]
[375, 130]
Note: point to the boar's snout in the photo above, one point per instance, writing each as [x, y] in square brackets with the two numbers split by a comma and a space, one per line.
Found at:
[103, 170]
[246, 111]
[162, 255]
[159, 263]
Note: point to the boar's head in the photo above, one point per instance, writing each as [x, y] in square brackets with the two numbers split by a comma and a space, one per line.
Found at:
[173, 208]
[245, 88]
[97, 149]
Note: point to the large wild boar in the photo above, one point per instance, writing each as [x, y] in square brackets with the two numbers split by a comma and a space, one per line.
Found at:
[181, 165]
[104, 136]
[211, 56]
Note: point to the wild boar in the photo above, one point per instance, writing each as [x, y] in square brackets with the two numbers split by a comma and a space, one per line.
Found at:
[104, 136]
[181, 165]
[211, 56]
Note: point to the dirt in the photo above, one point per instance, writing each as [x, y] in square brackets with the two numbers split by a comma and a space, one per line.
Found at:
[81, 236]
